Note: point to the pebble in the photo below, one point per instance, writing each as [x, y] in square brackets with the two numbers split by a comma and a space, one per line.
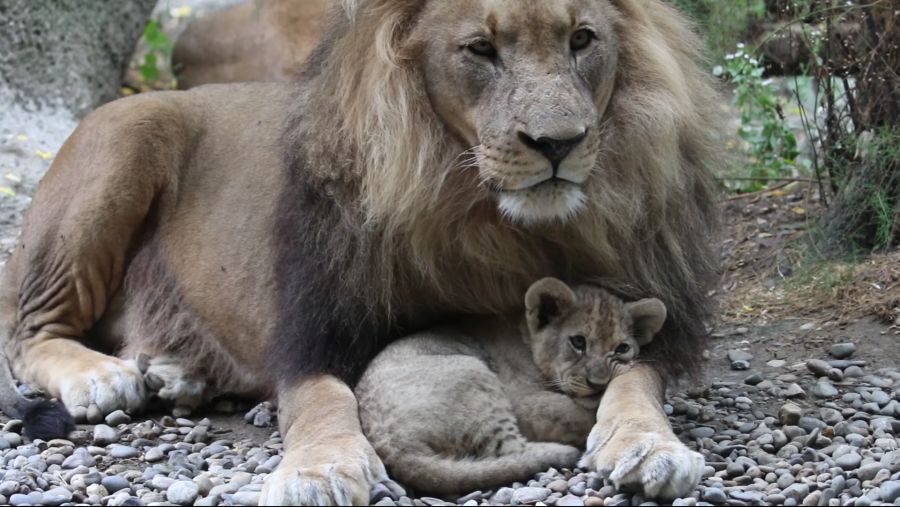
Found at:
[114, 483]
[529, 495]
[570, 501]
[123, 452]
[818, 367]
[118, 417]
[714, 496]
[824, 389]
[245, 498]
[842, 350]
[789, 414]
[105, 435]
[182, 493]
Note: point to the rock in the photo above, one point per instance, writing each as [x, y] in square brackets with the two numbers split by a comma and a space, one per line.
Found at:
[754, 379]
[890, 491]
[842, 350]
[818, 367]
[824, 389]
[810, 423]
[740, 365]
[80, 458]
[246, 498]
[776, 363]
[789, 414]
[739, 359]
[105, 435]
[503, 496]
[153, 455]
[785, 480]
[714, 496]
[794, 391]
[56, 496]
[849, 461]
[529, 495]
[569, 501]
[182, 493]
[114, 483]
[702, 432]
[118, 417]
[123, 452]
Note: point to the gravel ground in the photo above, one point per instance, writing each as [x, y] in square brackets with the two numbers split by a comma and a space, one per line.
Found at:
[830, 438]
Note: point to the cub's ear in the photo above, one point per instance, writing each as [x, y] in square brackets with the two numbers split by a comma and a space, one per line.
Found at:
[545, 300]
[647, 319]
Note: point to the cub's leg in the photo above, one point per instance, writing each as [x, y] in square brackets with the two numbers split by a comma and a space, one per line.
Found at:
[73, 252]
[554, 417]
[327, 459]
[632, 443]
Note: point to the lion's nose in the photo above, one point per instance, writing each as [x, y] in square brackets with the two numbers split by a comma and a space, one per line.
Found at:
[555, 150]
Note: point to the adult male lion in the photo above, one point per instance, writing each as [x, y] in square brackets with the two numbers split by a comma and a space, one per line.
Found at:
[436, 158]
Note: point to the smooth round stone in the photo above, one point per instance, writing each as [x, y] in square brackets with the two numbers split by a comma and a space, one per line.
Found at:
[842, 350]
[105, 435]
[184, 493]
[114, 483]
[56, 496]
[570, 501]
[714, 496]
[153, 455]
[118, 417]
[785, 480]
[246, 498]
[849, 461]
[529, 495]
[890, 491]
[123, 452]
[702, 432]
[818, 367]
[824, 389]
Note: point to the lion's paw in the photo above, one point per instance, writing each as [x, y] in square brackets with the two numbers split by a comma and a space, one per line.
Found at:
[656, 464]
[319, 485]
[105, 385]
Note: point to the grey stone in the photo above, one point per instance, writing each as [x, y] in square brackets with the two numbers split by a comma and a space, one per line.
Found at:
[714, 496]
[570, 501]
[114, 483]
[246, 498]
[824, 389]
[529, 495]
[794, 391]
[105, 435]
[56, 496]
[87, 64]
[789, 414]
[849, 461]
[183, 493]
[702, 432]
[118, 417]
[890, 491]
[842, 350]
[123, 452]
[818, 367]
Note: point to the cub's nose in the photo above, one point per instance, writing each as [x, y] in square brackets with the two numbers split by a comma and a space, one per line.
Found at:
[555, 150]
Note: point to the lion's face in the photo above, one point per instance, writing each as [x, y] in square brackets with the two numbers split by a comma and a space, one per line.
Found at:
[525, 84]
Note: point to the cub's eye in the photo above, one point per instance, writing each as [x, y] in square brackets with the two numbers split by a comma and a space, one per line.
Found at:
[482, 47]
[578, 342]
[581, 39]
[623, 348]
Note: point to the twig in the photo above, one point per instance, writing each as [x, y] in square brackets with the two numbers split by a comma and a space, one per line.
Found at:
[788, 180]
[759, 192]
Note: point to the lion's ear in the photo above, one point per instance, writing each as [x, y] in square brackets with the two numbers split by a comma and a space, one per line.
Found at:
[647, 319]
[545, 300]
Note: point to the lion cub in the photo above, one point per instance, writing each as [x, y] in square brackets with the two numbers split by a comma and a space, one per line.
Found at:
[494, 400]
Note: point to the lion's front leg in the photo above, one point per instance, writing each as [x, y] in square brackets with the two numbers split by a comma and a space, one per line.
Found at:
[327, 459]
[633, 444]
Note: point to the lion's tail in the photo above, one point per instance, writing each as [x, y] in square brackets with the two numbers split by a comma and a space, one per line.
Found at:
[43, 419]
[445, 475]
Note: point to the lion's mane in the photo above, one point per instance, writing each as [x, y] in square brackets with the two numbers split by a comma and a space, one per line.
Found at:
[395, 216]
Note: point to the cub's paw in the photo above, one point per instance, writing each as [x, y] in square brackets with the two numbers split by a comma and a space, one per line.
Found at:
[347, 481]
[167, 378]
[655, 463]
[91, 390]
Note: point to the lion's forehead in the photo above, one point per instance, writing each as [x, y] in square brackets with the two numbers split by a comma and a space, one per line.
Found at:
[515, 19]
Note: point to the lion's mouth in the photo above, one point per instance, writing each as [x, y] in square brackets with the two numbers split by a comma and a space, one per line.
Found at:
[553, 181]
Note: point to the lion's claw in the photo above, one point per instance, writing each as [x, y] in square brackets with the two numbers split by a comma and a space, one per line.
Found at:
[658, 465]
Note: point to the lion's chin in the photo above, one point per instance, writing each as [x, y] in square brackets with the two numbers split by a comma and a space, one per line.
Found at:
[555, 201]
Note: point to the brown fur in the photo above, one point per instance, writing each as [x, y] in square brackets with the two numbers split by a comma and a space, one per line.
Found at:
[304, 227]
[490, 401]
[257, 40]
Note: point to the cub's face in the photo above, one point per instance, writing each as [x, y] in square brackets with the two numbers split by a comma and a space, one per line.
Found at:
[525, 84]
[582, 338]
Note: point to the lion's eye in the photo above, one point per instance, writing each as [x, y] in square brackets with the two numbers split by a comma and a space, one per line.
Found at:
[482, 47]
[581, 39]
[578, 342]
[623, 348]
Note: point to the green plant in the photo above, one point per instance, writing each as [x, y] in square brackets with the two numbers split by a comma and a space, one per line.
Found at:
[159, 50]
[723, 22]
[771, 145]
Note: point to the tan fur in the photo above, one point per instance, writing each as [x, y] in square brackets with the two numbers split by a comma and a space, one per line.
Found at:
[169, 216]
[259, 40]
[491, 401]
